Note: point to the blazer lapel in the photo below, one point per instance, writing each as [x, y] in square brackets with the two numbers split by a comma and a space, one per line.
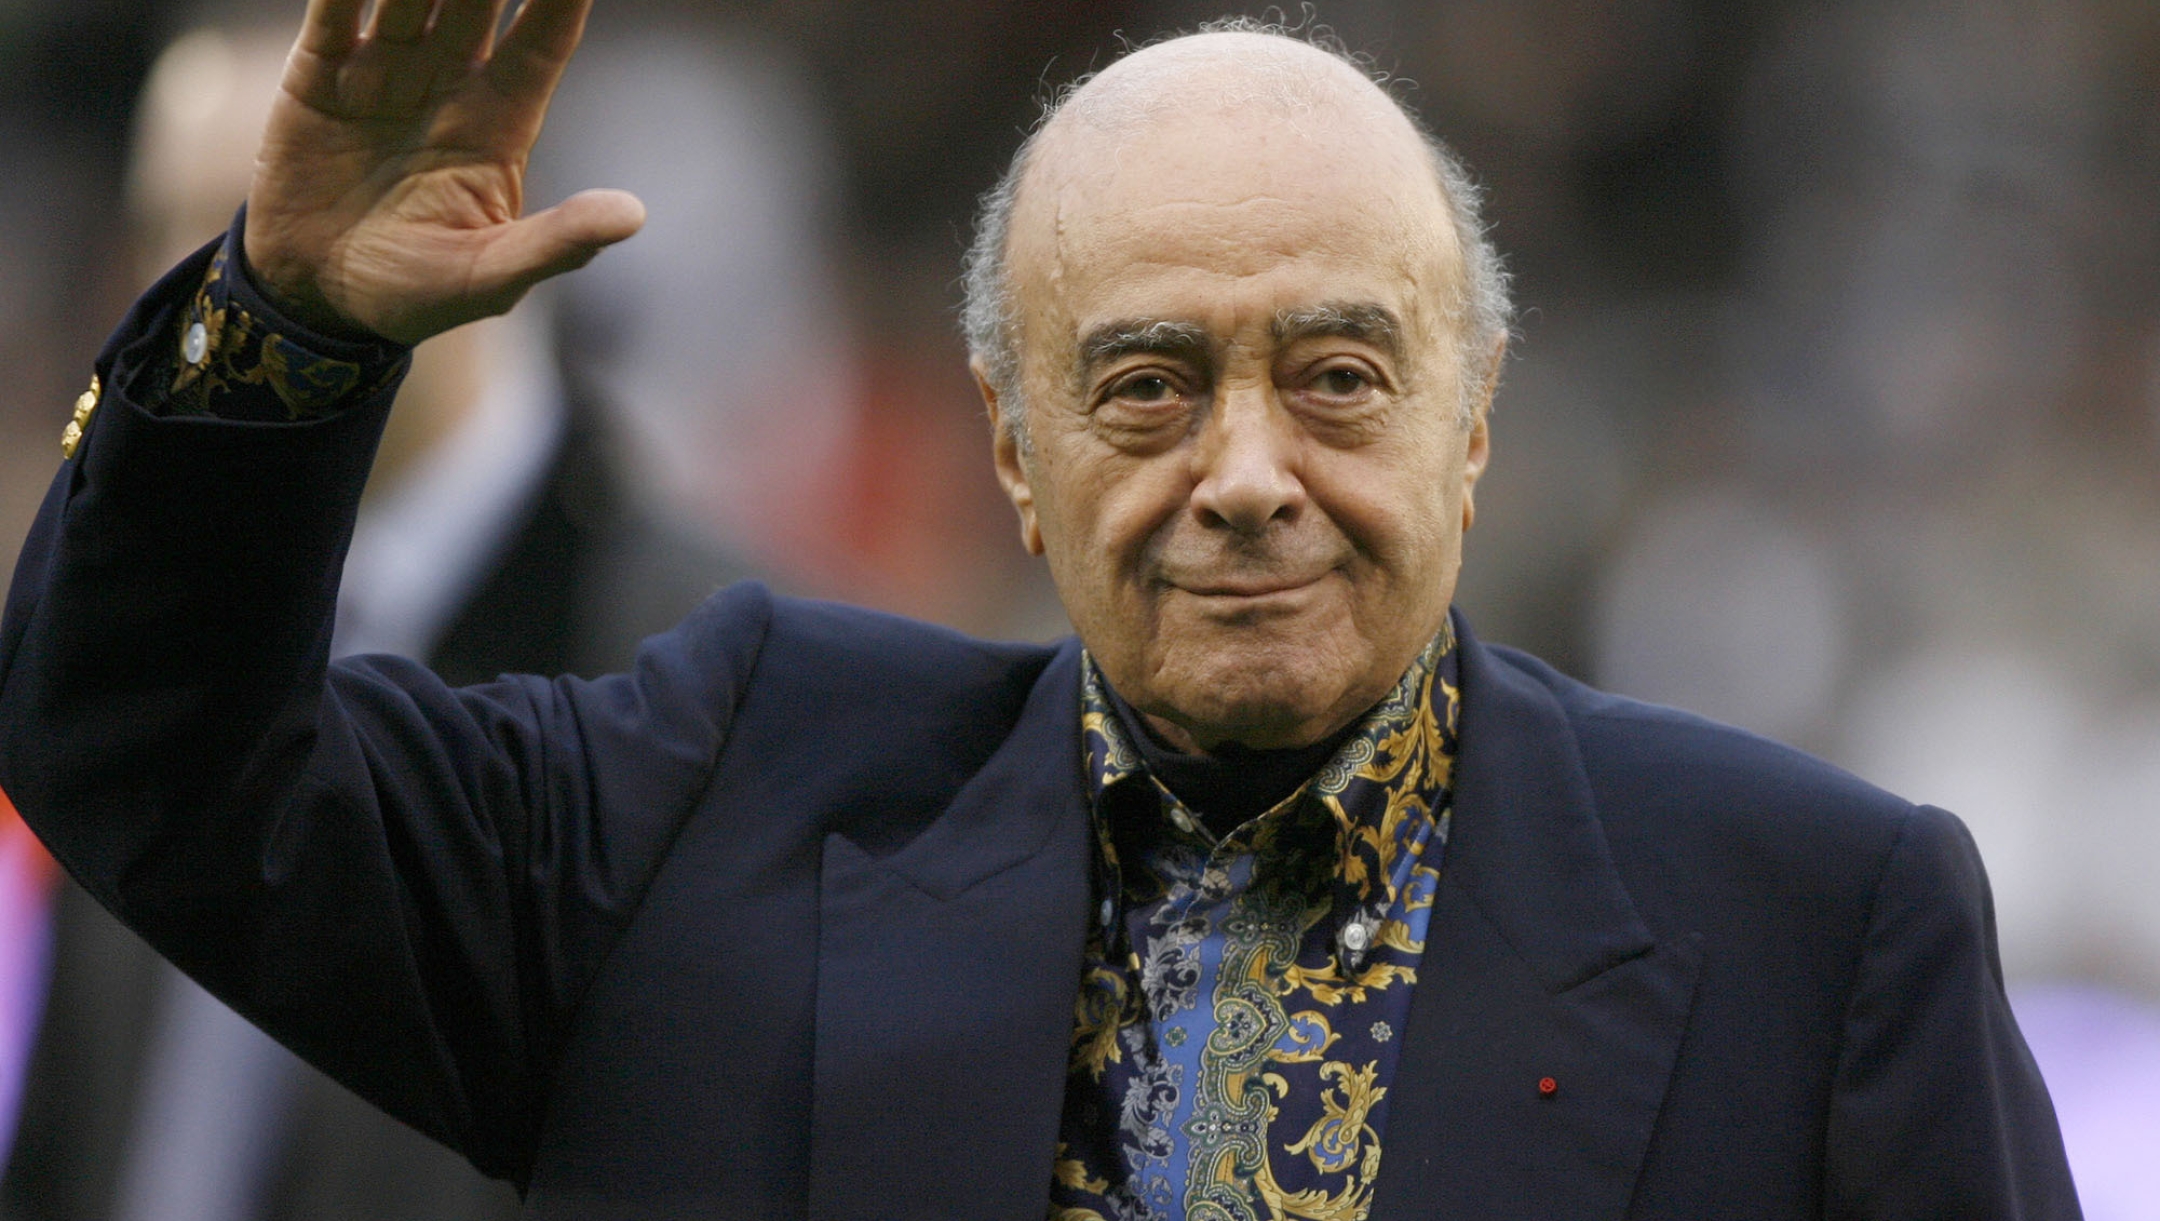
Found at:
[1546, 1017]
[946, 975]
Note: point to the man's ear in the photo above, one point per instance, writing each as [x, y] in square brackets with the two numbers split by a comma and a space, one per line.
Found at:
[1479, 449]
[1011, 463]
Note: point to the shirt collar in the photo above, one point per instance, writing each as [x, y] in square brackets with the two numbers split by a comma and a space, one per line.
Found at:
[1397, 765]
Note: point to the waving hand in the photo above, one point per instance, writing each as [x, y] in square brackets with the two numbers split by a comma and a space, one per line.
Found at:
[389, 191]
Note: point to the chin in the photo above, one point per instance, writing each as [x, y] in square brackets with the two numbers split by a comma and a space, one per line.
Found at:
[1260, 699]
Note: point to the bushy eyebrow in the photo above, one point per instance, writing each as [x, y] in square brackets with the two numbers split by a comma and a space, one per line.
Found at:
[1365, 322]
[1362, 321]
[1127, 336]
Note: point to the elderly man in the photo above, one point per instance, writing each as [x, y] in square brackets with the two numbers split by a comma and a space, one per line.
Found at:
[1274, 895]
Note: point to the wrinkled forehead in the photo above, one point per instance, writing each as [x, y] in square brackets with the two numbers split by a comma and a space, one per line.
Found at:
[1173, 175]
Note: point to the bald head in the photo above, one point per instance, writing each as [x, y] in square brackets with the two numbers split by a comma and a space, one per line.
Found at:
[1263, 109]
[1224, 72]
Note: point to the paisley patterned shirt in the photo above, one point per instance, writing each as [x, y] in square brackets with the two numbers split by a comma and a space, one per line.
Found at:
[235, 356]
[1238, 1019]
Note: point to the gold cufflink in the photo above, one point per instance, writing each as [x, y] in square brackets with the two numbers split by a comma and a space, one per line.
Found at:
[72, 435]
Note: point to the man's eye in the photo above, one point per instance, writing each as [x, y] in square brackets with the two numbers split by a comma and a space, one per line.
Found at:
[1340, 382]
[1148, 388]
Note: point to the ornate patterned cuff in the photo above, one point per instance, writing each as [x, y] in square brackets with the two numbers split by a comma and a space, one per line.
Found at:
[237, 358]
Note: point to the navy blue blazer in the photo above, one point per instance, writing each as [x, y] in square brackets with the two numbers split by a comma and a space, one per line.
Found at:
[787, 920]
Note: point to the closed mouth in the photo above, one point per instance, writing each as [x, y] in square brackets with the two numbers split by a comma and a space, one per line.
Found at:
[1244, 589]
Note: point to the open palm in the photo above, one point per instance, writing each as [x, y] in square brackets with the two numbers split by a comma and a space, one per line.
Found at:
[389, 190]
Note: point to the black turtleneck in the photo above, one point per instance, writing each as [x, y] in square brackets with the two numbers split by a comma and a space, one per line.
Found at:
[1234, 784]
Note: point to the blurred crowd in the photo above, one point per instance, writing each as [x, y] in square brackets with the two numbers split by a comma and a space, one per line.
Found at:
[1834, 411]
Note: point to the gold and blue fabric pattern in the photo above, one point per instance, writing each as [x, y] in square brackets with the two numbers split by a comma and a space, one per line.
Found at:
[1242, 1002]
[234, 358]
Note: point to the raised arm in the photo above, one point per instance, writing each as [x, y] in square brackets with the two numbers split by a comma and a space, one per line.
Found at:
[409, 884]
[389, 195]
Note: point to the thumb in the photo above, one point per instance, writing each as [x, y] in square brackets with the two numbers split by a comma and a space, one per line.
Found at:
[559, 239]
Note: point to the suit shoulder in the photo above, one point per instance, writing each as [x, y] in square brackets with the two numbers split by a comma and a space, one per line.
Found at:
[1632, 743]
[818, 651]
[838, 673]
[881, 717]
[830, 642]
[1706, 816]
[1753, 842]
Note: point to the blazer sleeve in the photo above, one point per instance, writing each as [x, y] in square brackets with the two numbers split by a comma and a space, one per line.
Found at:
[1938, 1109]
[408, 884]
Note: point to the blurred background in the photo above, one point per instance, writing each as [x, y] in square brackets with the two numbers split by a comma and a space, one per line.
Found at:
[1833, 411]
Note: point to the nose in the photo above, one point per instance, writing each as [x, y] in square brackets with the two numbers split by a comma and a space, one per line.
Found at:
[1246, 463]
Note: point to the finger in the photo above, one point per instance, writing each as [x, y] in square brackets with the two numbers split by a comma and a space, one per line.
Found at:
[463, 30]
[562, 238]
[538, 44]
[400, 20]
[331, 27]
